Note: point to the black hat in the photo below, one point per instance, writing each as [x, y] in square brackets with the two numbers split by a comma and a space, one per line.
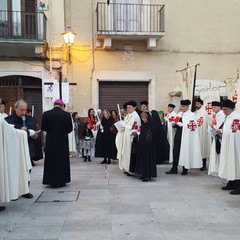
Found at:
[171, 105]
[185, 102]
[144, 103]
[125, 105]
[199, 100]
[132, 103]
[3, 102]
[228, 104]
[216, 103]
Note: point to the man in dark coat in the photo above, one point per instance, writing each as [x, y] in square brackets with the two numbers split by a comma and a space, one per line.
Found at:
[21, 121]
[58, 124]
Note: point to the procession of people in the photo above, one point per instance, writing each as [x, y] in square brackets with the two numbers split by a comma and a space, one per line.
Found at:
[139, 139]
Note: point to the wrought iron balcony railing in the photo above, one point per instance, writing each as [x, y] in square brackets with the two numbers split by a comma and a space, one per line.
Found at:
[18, 25]
[130, 18]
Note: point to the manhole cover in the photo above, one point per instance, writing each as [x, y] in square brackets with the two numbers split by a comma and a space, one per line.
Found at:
[58, 196]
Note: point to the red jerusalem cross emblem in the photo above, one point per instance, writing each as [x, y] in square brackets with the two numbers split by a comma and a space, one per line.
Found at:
[192, 125]
[200, 121]
[209, 108]
[235, 125]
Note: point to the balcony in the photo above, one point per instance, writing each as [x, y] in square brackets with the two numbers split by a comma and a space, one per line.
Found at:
[130, 21]
[22, 33]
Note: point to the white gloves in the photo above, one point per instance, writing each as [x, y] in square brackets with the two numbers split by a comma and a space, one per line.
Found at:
[98, 123]
[180, 124]
[31, 132]
[122, 124]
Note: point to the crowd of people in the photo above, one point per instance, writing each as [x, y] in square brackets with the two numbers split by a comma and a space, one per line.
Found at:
[138, 138]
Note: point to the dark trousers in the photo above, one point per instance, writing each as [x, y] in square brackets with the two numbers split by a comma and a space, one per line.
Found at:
[176, 149]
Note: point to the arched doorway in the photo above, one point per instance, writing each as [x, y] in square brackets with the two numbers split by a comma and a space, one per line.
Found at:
[17, 87]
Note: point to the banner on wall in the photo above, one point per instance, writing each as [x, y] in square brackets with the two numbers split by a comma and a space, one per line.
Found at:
[233, 90]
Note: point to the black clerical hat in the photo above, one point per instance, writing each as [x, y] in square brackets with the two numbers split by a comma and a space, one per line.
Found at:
[185, 102]
[199, 100]
[3, 102]
[216, 103]
[132, 103]
[228, 104]
[171, 105]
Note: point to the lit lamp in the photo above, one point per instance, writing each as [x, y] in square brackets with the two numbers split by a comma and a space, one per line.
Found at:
[69, 37]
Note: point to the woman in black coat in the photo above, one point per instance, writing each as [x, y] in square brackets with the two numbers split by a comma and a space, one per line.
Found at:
[162, 145]
[146, 150]
[105, 141]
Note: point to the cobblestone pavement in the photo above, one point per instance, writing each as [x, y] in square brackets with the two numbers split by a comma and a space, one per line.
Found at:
[102, 203]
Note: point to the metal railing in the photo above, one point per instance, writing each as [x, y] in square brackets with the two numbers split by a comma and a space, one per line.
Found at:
[20, 25]
[116, 17]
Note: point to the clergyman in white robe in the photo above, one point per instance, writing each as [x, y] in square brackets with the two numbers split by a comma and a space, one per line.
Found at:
[15, 162]
[217, 122]
[229, 167]
[203, 122]
[190, 152]
[170, 118]
[124, 138]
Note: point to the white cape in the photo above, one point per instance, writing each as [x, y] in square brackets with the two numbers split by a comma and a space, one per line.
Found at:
[72, 142]
[15, 162]
[203, 122]
[190, 152]
[214, 157]
[124, 141]
[170, 133]
[229, 167]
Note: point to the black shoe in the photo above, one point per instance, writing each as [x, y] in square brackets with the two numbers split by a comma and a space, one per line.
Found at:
[129, 175]
[62, 184]
[235, 191]
[146, 180]
[228, 188]
[109, 161]
[89, 159]
[125, 173]
[85, 159]
[28, 195]
[54, 185]
[203, 168]
[2, 208]
[104, 161]
[141, 178]
[184, 172]
[171, 171]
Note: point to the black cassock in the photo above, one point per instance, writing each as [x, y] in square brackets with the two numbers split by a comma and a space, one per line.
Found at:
[58, 124]
[105, 141]
[146, 152]
[30, 123]
[160, 138]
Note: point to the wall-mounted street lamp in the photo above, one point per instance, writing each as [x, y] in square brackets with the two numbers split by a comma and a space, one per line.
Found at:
[69, 37]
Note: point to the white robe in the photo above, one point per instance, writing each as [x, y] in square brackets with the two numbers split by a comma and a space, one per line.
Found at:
[203, 122]
[229, 167]
[214, 157]
[15, 162]
[170, 133]
[72, 141]
[3, 115]
[190, 152]
[124, 141]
